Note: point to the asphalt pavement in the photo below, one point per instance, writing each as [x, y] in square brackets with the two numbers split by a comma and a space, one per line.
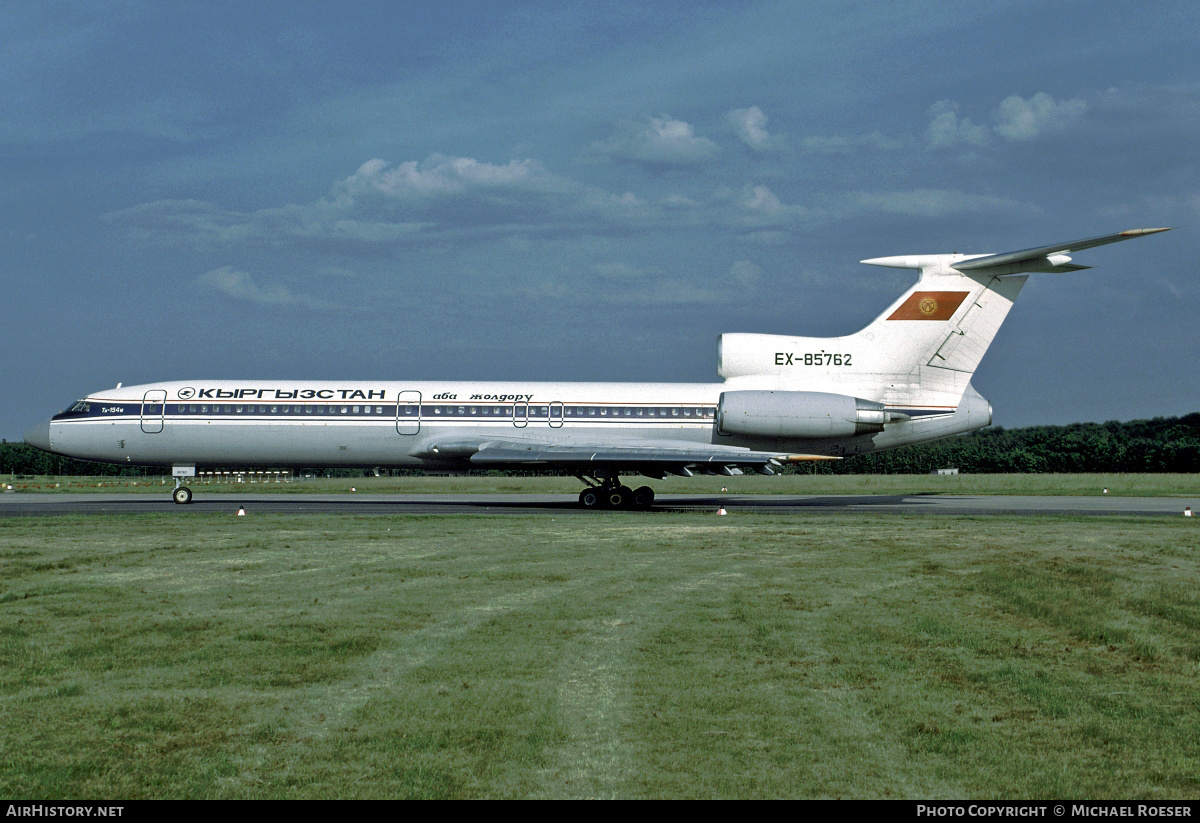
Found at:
[32, 505]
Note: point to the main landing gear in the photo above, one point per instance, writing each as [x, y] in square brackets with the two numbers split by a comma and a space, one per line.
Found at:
[608, 493]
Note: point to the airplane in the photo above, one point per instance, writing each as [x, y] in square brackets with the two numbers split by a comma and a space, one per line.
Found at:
[903, 379]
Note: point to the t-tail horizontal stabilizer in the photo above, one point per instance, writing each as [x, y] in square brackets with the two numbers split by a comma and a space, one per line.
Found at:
[1052, 258]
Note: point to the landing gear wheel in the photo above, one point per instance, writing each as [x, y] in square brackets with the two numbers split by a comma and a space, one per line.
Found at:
[616, 498]
[182, 495]
[643, 498]
[607, 492]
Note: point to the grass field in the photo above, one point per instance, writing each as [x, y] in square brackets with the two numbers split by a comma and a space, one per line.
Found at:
[1123, 485]
[626, 656]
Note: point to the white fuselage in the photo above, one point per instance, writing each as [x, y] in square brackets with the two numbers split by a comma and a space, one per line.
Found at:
[314, 423]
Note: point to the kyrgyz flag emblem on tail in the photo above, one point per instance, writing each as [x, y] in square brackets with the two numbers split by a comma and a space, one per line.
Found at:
[929, 305]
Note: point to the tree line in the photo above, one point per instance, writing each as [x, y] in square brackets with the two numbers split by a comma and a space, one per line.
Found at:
[1164, 444]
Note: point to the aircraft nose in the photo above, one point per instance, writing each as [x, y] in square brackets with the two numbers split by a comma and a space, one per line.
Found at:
[39, 436]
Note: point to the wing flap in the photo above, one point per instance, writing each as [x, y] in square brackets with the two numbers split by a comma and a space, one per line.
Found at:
[642, 457]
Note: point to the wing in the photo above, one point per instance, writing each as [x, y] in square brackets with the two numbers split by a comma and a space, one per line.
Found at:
[652, 458]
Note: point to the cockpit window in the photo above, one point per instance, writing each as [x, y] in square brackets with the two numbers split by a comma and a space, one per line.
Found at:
[81, 406]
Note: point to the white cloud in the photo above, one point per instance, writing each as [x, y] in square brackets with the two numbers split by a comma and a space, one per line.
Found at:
[1025, 119]
[624, 272]
[767, 237]
[380, 203]
[678, 201]
[759, 207]
[745, 274]
[440, 175]
[750, 125]
[464, 200]
[947, 129]
[761, 199]
[649, 285]
[241, 286]
[662, 141]
[844, 145]
[195, 221]
[163, 219]
[1016, 119]
[931, 203]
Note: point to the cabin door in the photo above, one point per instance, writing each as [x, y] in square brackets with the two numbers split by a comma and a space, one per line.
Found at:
[408, 412]
[154, 407]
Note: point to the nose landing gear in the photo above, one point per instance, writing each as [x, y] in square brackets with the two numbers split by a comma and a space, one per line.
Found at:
[181, 494]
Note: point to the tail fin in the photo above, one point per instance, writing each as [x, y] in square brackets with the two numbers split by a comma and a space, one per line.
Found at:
[919, 354]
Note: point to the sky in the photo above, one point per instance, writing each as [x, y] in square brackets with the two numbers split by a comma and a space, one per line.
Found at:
[591, 192]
